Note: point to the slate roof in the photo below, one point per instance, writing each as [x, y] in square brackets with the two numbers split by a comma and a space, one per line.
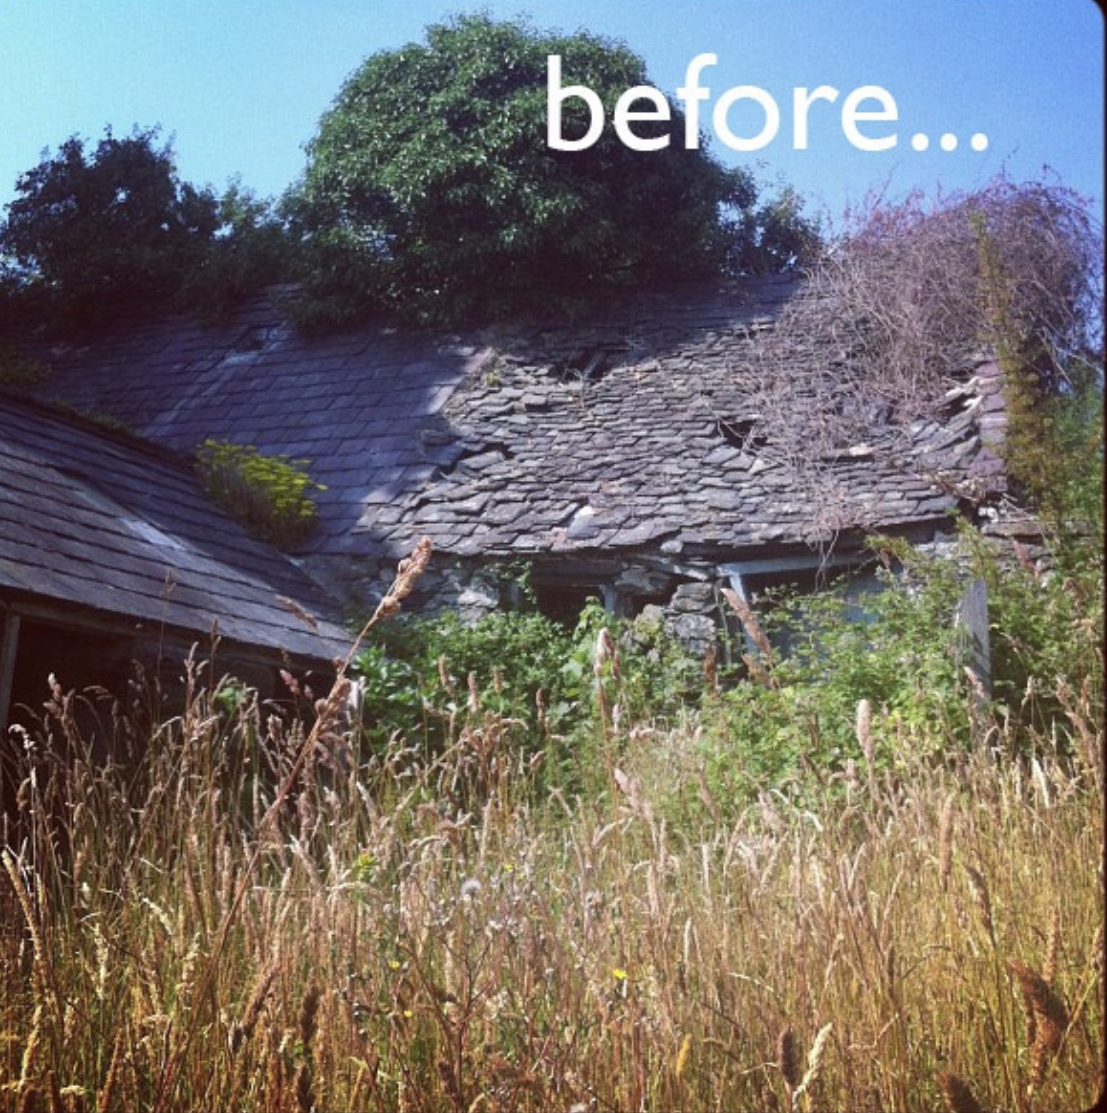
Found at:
[615, 434]
[635, 434]
[99, 520]
[352, 404]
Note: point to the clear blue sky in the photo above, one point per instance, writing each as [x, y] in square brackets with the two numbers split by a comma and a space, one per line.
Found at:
[240, 84]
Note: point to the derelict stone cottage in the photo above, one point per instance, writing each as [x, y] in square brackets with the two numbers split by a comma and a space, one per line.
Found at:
[618, 458]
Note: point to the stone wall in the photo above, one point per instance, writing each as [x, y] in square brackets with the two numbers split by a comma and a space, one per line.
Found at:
[685, 600]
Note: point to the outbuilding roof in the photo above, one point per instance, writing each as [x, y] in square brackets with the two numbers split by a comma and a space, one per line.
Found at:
[95, 519]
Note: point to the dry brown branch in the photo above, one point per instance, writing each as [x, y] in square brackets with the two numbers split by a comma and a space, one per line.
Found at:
[902, 307]
[751, 624]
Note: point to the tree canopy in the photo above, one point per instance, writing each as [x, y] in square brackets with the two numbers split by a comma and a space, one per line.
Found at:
[430, 186]
[96, 229]
[430, 190]
[93, 228]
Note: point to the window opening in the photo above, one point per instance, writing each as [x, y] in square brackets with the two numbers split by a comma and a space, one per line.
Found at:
[563, 602]
[767, 585]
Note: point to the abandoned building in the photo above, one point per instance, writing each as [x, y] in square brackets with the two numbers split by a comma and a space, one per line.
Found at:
[110, 554]
[618, 459]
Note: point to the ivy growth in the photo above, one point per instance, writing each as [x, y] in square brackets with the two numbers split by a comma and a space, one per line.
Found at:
[270, 495]
[430, 189]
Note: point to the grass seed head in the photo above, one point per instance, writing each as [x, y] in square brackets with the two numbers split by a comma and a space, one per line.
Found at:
[683, 1054]
[1047, 1019]
[309, 1016]
[106, 1099]
[26, 907]
[787, 1057]
[957, 1095]
[1049, 1009]
[979, 886]
[1053, 947]
[305, 1099]
[945, 843]
[865, 730]
[814, 1062]
[244, 1029]
[407, 573]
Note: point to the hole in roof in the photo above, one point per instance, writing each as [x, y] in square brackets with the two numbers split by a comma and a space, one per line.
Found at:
[474, 460]
[589, 365]
[253, 339]
[742, 432]
[958, 400]
[864, 411]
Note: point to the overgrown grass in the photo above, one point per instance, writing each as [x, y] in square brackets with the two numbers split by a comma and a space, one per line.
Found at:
[239, 911]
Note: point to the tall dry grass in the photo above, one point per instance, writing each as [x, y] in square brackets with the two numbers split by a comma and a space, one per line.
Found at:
[254, 914]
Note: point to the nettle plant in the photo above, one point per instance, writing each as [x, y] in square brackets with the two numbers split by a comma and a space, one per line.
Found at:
[270, 495]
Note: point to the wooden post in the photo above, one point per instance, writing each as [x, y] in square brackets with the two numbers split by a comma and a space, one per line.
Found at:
[976, 648]
[9, 643]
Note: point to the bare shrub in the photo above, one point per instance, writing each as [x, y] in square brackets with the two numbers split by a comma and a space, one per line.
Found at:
[901, 307]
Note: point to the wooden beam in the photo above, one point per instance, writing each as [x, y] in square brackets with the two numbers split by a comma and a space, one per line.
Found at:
[9, 644]
[976, 648]
[797, 562]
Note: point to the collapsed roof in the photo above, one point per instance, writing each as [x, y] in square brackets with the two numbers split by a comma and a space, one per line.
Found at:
[627, 433]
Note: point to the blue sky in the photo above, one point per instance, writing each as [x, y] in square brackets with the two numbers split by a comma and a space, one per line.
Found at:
[240, 84]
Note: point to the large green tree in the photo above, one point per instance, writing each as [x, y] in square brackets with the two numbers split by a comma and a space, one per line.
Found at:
[98, 229]
[90, 229]
[430, 185]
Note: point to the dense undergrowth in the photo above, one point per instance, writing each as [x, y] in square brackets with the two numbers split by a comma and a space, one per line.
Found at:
[539, 868]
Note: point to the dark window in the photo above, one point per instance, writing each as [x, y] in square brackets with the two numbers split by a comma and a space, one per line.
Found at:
[563, 602]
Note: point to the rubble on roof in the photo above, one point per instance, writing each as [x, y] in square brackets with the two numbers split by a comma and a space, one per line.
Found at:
[637, 434]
